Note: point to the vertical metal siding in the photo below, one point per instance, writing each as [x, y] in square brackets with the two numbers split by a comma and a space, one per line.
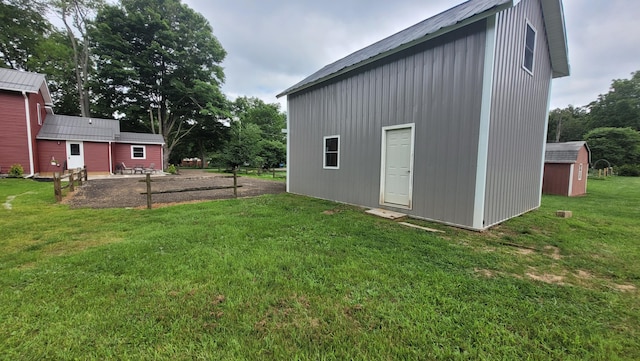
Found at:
[438, 87]
[518, 118]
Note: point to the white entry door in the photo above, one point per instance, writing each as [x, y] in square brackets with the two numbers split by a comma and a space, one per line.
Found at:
[397, 166]
[75, 155]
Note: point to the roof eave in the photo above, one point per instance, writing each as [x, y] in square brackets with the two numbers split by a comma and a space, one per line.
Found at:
[137, 142]
[402, 47]
[557, 37]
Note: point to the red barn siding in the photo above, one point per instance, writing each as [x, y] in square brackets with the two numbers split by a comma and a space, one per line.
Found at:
[51, 149]
[122, 153]
[14, 146]
[580, 185]
[559, 179]
[556, 178]
[96, 157]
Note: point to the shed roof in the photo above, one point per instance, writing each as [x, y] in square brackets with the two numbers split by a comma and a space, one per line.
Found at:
[141, 138]
[454, 18]
[23, 81]
[564, 152]
[65, 127]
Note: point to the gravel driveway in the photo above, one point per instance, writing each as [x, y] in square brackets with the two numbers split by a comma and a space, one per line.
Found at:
[127, 191]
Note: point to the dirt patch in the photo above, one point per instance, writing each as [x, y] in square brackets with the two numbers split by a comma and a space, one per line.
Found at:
[525, 251]
[553, 252]
[484, 272]
[546, 277]
[624, 288]
[128, 192]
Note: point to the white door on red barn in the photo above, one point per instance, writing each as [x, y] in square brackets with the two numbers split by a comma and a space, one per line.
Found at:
[397, 166]
[75, 155]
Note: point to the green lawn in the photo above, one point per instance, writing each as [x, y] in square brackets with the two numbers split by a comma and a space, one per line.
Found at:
[287, 277]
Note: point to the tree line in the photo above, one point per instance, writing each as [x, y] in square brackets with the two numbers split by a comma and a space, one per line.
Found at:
[610, 125]
[155, 65]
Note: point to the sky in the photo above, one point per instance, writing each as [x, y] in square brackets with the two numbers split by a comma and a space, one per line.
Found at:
[273, 44]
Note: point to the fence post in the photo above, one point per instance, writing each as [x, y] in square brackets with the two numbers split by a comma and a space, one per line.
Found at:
[80, 177]
[86, 175]
[71, 181]
[235, 182]
[148, 190]
[57, 190]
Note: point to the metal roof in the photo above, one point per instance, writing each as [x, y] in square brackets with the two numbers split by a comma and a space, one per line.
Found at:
[461, 15]
[564, 152]
[22, 81]
[141, 138]
[65, 127]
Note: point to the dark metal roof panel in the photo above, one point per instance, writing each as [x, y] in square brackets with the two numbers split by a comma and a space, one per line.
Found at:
[64, 127]
[22, 81]
[15, 80]
[140, 138]
[415, 33]
[563, 152]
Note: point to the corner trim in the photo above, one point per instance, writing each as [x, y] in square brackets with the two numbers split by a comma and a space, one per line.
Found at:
[29, 140]
[485, 124]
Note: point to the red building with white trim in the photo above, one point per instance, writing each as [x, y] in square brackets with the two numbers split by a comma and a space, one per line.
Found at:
[43, 142]
[566, 167]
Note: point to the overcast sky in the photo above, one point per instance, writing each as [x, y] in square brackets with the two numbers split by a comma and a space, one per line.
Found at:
[273, 44]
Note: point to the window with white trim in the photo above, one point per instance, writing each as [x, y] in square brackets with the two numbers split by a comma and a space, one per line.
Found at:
[331, 152]
[580, 172]
[138, 152]
[39, 114]
[529, 48]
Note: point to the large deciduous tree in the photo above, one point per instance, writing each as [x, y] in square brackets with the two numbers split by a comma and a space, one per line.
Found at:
[76, 15]
[619, 146]
[158, 66]
[620, 107]
[567, 124]
[22, 28]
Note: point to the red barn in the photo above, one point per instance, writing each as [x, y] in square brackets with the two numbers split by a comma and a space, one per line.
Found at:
[566, 166]
[43, 142]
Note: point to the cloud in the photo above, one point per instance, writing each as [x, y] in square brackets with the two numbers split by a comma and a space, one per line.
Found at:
[272, 45]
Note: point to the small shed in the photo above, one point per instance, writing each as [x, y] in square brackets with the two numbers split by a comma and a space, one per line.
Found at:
[566, 167]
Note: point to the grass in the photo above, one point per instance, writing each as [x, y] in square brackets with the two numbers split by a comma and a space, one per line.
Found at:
[288, 277]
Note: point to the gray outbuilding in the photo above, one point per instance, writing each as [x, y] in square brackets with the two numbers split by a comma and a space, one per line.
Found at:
[444, 121]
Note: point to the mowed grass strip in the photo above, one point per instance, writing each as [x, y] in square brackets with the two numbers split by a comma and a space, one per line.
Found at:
[289, 277]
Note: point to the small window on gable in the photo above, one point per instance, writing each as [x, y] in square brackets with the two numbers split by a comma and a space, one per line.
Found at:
[529, 48]
[138, 152]
[332, 152]
[39, 110]
[580, 172]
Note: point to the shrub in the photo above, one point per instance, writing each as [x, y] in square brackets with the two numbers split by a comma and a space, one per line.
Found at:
[172, 169]
[16, 171]
[629, 170]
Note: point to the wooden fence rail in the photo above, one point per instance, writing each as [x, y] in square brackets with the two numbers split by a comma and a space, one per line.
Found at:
[75, 177]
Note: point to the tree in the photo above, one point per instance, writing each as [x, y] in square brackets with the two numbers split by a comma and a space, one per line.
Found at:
[568, 124]
[620, 107]
[52, 59]
[76, 16]
[619, 146]
[266, 116]
[22, 28]
[270, 150]
[243, 146]
[159, 66]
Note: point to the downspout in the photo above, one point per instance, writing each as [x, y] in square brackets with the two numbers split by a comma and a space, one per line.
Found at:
[29, 141]
[110, 159]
